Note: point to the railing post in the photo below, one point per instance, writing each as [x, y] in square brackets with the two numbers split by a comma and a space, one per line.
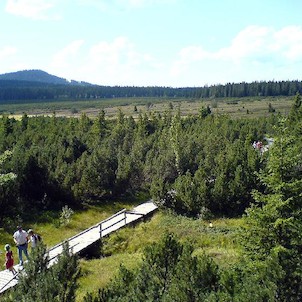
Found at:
[125, 216]
[101, 240]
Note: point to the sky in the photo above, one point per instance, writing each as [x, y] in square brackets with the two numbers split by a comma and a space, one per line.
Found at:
[171, 43]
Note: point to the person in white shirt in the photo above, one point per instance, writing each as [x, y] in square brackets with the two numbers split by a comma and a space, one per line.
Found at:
[21, 239]
[33, 238]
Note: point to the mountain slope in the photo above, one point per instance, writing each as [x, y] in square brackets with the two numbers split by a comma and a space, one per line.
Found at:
[36, 75]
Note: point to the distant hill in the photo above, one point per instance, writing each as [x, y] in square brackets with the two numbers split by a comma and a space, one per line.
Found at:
[38, 76]
[39, 86]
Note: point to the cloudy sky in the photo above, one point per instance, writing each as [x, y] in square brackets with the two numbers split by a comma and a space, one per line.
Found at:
[173, 43]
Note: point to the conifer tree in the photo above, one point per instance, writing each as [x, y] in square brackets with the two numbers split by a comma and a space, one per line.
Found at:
[167, 273]
[296, 110]
[274, 222]
[6, 177]
[39, 282]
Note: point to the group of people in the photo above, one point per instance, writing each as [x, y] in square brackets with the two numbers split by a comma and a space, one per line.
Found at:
[257, 145]
[260, 147]
[21, 239]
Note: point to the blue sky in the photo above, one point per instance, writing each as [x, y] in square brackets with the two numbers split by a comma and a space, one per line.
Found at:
[173, 43]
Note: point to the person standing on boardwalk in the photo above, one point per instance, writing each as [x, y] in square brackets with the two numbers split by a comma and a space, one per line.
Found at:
[33, 238]
[21, 240]
[9, 260]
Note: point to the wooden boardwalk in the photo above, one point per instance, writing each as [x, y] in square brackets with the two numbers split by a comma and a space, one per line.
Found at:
[87, 237]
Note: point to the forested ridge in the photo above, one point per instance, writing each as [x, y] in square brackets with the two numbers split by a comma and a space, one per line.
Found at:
[199, 166]
[33, 91]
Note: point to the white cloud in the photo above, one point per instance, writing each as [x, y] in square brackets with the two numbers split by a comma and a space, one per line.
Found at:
[33, 9]
[7, 51]
[253, 47]
[108, 63]
[137, 3]
[187, 56]
[105, 5]
[66, 56]
[110, 54]
[10, 61]
[288, 41]
[99, 4]
[255, 53]
[250, 41]
[117, 61]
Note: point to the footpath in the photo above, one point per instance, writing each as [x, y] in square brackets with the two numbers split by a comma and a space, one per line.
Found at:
[86, 238]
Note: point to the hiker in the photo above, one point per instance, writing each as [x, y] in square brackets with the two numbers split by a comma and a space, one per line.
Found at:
[254, 144]
[21, 240]
[9, 260]
[33, 238]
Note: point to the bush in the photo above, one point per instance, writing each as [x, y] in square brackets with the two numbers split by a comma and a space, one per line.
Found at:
[65, 215]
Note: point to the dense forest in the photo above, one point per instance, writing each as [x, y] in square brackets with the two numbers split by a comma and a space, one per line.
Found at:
[33, 91]
[199, 166]
[208, 160]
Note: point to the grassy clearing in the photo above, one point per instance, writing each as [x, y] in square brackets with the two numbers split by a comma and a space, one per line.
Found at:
[52, 233]
[97, 273]
[236, 107]
[197, 232]
[127, 245]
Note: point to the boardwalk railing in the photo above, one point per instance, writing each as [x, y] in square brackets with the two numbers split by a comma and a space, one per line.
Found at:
[123, 218]
[84, 239]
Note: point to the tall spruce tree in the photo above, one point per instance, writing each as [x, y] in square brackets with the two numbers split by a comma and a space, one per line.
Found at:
[274, 222]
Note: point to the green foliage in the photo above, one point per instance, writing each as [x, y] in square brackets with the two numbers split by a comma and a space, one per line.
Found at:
[7, 191]
[296, 109]
[190, 194]
[21, 91]
[204, 112]
[6, 177]
[170, 272]
[271, 109]
[198, 166]
[214, 103]
[60, 161]
[38, 282]
[175, 132]
[274, 221]
[65, 215]
[248, 281]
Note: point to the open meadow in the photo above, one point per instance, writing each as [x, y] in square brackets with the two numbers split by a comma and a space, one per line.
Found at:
[236, 107]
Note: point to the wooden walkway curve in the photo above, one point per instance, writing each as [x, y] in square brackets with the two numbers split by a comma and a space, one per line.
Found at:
[86, 238]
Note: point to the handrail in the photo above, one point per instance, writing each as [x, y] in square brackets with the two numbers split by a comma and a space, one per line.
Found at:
[116, 222]
[113, 216]
[14, 277]
[77, 235]
[87, 230]
[100, 224]
[135, 213]
[10, 280]
[70, 247]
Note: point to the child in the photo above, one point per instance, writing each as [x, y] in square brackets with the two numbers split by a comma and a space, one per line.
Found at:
[33, 238]
[9, 260]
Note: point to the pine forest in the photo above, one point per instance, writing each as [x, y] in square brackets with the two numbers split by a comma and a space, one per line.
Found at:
[199, 167]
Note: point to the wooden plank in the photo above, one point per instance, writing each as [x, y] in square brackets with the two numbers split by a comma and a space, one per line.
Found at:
[86, 238]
